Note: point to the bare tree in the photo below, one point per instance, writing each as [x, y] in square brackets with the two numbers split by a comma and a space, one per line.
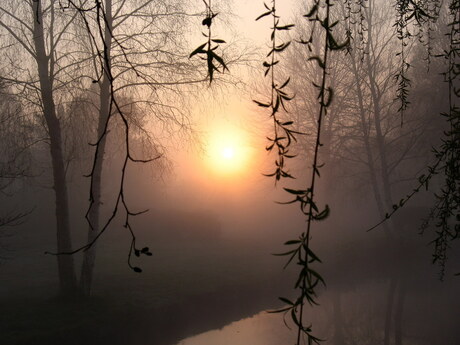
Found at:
[38, 31]
[389, 152]
[140, 60]
[14, 157]
[134, 59]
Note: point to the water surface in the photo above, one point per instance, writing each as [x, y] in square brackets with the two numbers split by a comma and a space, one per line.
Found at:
[261, 329]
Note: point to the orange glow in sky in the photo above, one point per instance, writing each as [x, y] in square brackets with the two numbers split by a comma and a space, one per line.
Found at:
[227, 151]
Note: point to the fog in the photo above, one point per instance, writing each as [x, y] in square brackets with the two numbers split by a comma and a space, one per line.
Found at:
[141, 203]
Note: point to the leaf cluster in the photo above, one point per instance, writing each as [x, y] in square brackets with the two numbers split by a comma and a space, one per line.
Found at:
[137, 253]
[408, 12]
[307, 204]
[283, 133]
[207, 50]
[403, 87]
[307, 281]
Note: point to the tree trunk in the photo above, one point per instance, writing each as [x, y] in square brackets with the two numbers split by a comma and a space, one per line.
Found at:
[366, 128]
[399, 311]
[66, 268]
[338, 319]
[389, 311]
[89, 258]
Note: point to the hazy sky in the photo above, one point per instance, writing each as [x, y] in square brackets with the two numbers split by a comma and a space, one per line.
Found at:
[249, 10]
[229, 123]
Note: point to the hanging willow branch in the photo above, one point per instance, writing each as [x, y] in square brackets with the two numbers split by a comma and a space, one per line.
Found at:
[283, 134]
[300, 250]
[446, 211]
[408, 13]
[401, 77]
[207, 50]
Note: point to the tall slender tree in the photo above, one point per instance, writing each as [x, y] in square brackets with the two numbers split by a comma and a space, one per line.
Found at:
[39, 30]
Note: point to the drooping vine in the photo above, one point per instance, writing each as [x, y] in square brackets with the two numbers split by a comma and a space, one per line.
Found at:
[446, 211]
[283, 133]
[207, 50]
[362, 27]
[408, 13]
[401, 77]
[426, 32]
[283, 136]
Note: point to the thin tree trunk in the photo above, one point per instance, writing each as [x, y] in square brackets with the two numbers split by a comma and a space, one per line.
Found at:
[399, 311]
[376, 104]
[89, 258]
[385, 198]
[338, 319]
[365, 127]
[389, 311]
[66, 268]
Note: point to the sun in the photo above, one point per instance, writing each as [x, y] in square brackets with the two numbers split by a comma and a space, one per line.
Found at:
[227, 150]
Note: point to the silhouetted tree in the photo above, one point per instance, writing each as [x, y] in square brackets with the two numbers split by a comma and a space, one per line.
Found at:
[14, 157]
[140, 62]
[39, 31]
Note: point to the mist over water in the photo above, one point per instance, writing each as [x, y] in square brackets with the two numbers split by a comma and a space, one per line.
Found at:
[212, 264]
[187, 257]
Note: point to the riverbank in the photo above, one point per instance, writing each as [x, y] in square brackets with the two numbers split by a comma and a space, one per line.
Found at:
[203, 288]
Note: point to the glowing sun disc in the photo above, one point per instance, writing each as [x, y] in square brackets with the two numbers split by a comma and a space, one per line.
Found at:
[227, 150]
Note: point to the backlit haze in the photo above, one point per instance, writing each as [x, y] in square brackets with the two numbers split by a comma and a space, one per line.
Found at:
[228, 152]
[192, 233]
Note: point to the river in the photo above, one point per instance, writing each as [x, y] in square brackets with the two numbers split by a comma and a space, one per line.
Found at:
[261, 329]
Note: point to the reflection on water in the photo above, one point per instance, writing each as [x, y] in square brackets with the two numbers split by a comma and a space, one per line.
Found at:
[261, 329]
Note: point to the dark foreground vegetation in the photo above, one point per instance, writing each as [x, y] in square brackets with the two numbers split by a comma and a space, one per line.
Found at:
[187, 287]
